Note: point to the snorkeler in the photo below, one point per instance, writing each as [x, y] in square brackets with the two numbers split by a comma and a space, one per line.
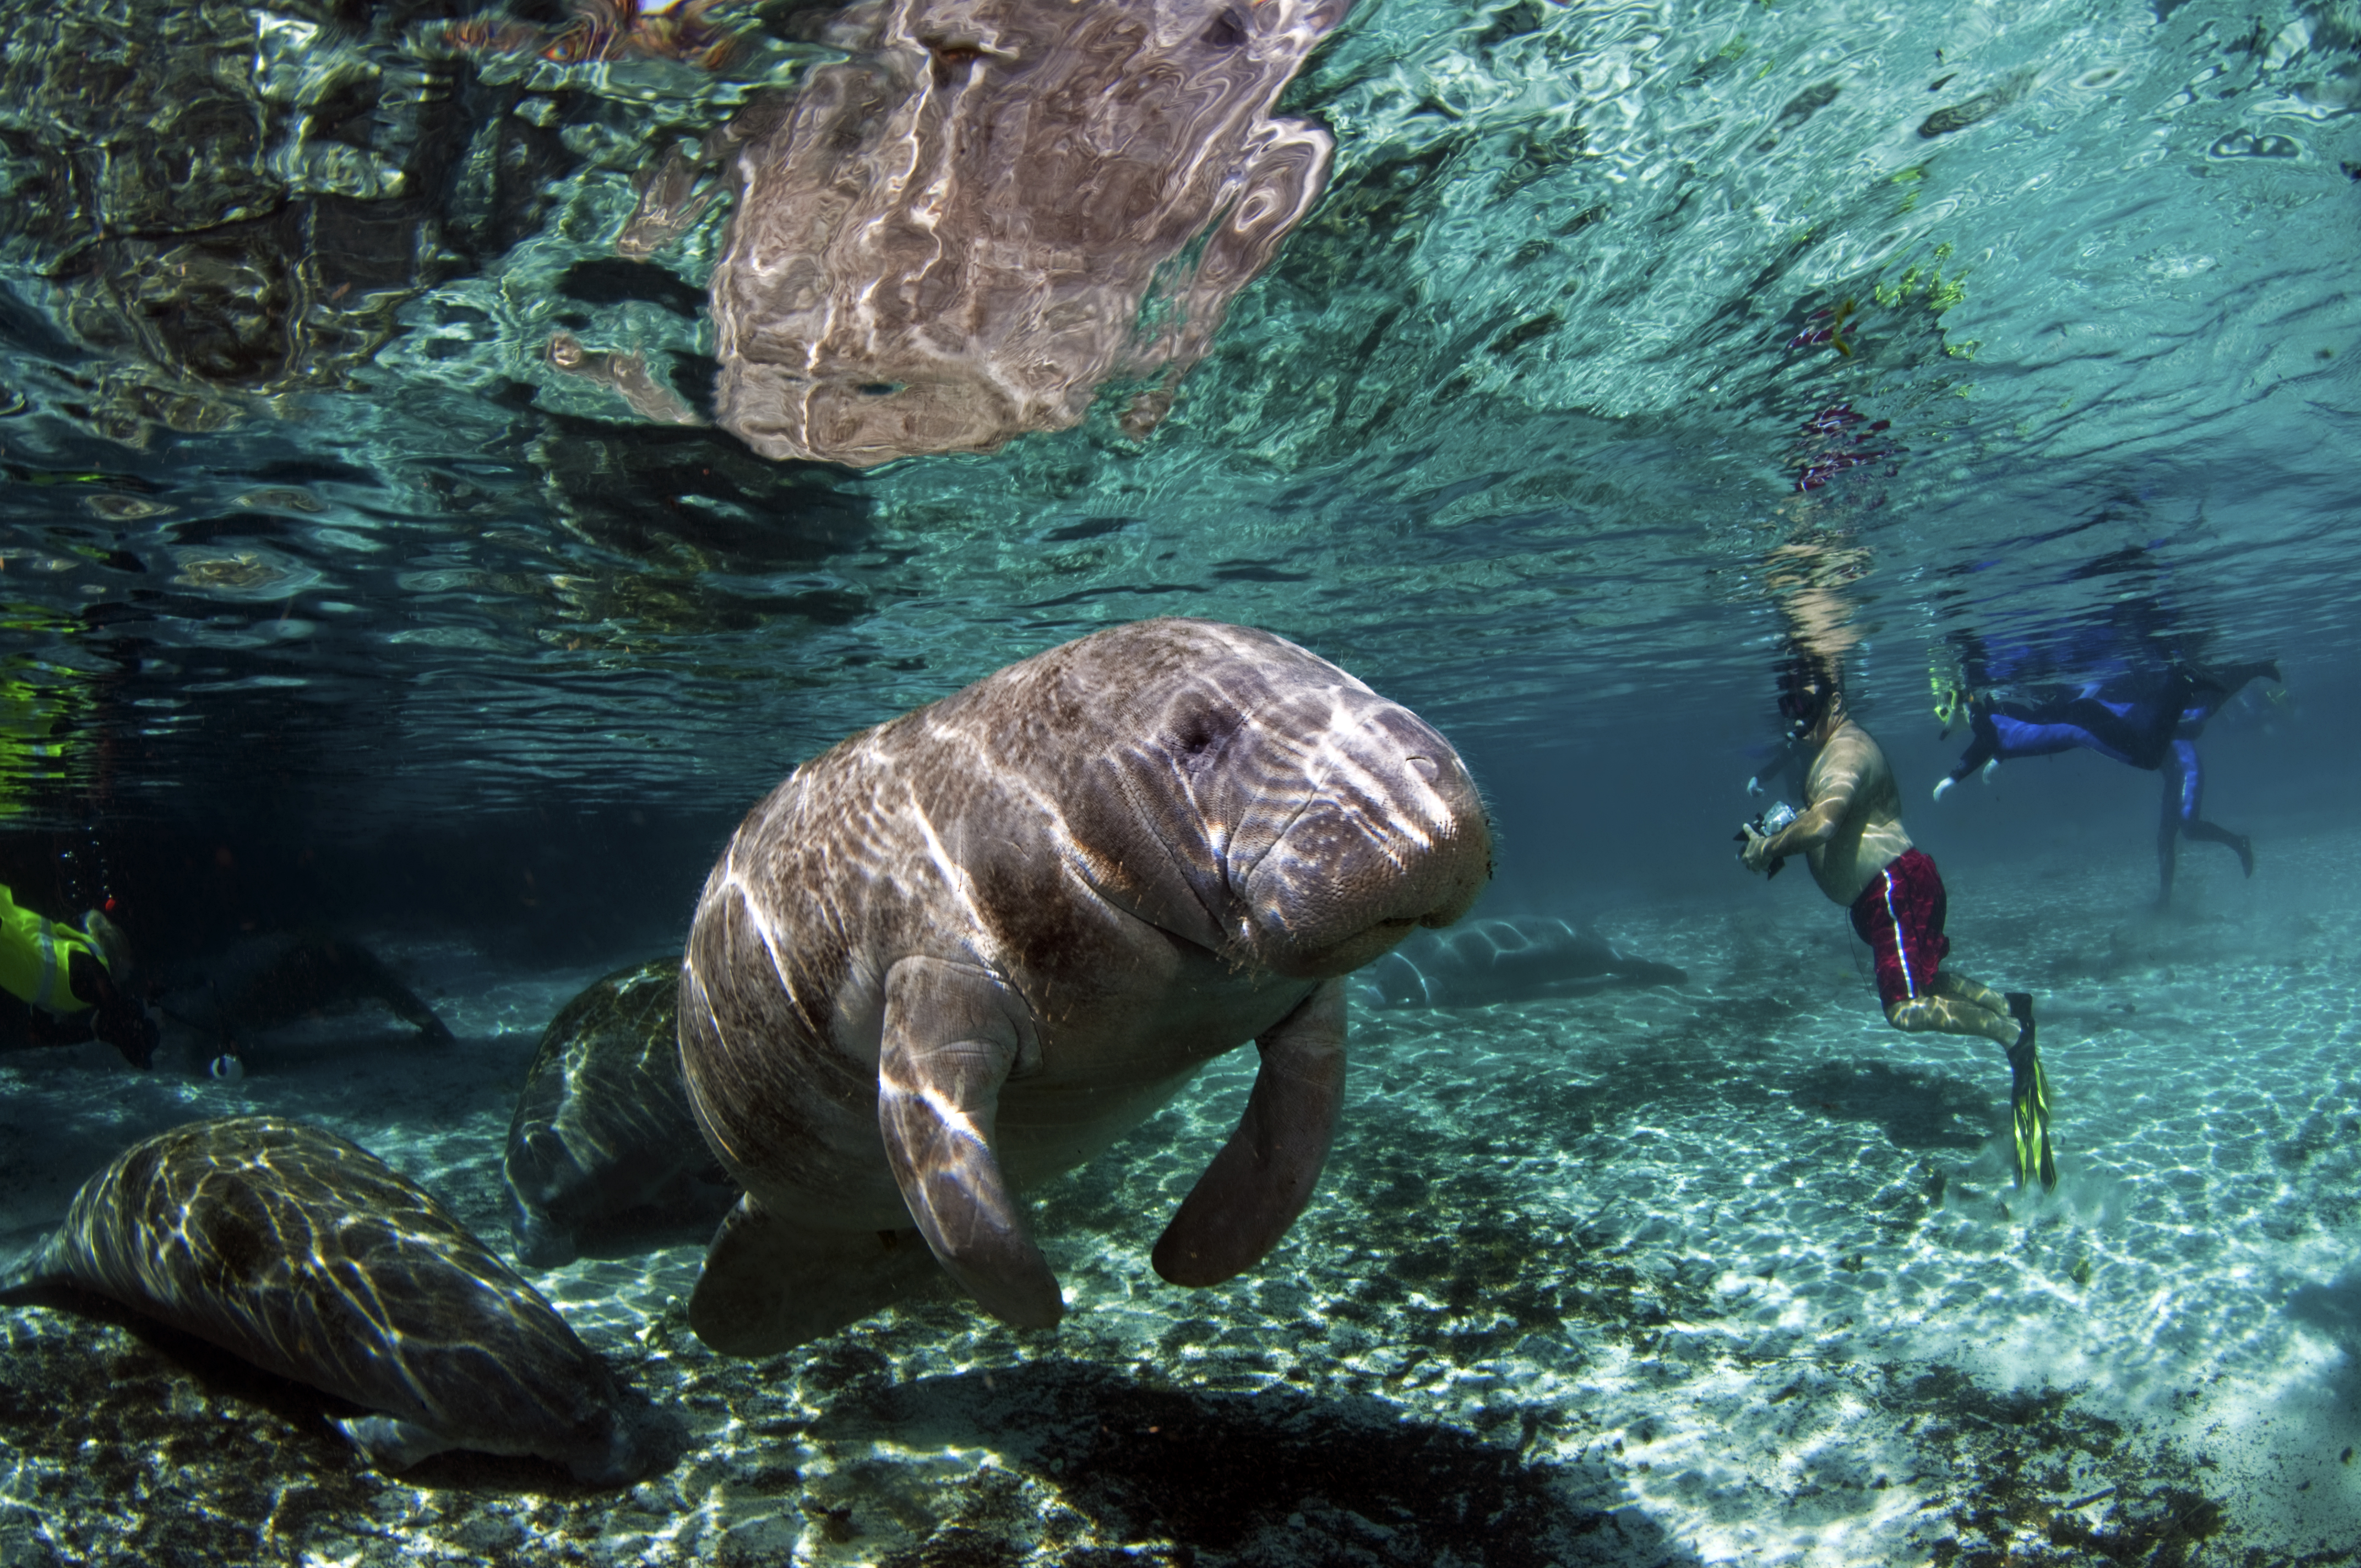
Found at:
[62, 971]
[2098, 722]
[1851, 833]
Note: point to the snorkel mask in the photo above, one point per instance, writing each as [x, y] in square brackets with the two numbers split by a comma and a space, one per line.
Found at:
[1949, 682]
[1950, 706]
[1807, 687]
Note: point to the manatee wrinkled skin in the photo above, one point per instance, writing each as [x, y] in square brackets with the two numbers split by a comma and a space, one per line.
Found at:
[309, 1256]
[970, 949]
[602, 1138]
[955, 237]
[1518, 959]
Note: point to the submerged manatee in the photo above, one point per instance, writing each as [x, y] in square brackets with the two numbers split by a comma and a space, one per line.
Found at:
[972, 946]
[307, 1255]
[1517, 960]
[286, 977]
[602, 1136]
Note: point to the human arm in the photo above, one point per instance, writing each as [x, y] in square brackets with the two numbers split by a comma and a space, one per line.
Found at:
[1836, 779]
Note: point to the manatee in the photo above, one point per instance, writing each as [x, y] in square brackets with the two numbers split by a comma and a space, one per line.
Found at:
[971, 947]
[602, 1139]
[288, 976]
[1518, 959]
[309, 1256]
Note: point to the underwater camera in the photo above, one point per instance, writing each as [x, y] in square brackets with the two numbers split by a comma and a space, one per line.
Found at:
[1769, 820]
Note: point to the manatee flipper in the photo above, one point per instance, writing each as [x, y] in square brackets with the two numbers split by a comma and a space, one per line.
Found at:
[1263, 1176]
[949, 1044]
[390, 1443]
[770, 1285]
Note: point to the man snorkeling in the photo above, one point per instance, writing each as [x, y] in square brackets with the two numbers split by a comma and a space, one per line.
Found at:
[63, 971]
[1850, 832]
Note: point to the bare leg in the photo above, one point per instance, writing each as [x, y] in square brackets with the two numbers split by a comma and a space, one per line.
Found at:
[1936, 1014]
[1958, 1005]
[1951, 983]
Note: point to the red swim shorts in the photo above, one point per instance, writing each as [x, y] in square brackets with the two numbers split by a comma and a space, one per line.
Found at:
[1900, 915]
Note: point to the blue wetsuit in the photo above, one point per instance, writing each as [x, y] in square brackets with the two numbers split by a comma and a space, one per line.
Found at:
[2134, 733]
[2121, 721]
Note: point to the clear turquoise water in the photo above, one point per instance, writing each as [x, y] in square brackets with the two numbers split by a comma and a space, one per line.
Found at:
[1510, 428]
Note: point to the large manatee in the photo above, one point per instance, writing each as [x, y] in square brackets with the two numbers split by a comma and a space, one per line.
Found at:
[307, 1255]
[972, 946]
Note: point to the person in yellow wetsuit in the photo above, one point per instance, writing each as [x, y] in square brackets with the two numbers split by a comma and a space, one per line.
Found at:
[62, 971]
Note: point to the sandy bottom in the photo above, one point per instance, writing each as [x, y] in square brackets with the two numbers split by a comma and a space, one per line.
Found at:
[1727, 1273]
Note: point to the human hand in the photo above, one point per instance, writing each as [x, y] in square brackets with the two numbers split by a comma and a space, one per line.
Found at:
[1752, 856]
[1941, 785]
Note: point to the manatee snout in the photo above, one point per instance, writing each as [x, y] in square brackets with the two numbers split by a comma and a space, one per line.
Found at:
[1393, 838]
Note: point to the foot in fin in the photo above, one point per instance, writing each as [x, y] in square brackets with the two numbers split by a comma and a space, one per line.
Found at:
[2245, 847]
[2028, 1098]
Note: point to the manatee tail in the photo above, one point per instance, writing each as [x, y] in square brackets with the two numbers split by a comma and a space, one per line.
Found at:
[407, 1007]
[2029, 1099]
[43, 1268]
[769, 1285]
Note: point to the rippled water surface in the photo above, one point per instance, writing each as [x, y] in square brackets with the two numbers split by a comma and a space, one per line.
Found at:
[403, 530]
[1519, 401]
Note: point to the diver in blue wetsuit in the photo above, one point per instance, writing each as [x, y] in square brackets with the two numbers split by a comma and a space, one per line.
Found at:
[2152, 723]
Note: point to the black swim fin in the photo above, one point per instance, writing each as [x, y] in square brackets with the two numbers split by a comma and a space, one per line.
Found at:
[2029, 1099]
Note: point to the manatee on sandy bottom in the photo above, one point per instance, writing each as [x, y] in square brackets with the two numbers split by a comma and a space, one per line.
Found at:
[603, 1140]
[1518, 960]
[267, 982]
[307, 1255]
[971, 947]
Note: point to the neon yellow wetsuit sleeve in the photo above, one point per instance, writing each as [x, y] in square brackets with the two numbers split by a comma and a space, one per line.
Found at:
[36, 953]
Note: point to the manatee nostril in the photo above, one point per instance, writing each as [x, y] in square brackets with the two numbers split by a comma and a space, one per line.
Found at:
[1425, 768]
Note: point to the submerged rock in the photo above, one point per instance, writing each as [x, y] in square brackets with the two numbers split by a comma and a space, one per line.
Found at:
[309, 1256]
[603, 1138]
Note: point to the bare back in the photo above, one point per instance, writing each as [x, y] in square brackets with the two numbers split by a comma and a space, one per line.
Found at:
[1852, 772]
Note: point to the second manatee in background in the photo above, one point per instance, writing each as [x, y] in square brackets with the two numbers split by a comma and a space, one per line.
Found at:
[602, 1141]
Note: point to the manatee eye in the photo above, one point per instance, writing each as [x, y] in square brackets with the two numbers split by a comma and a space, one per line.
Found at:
[1200, 733]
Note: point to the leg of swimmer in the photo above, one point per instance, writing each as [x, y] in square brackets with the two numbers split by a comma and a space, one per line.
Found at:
[1929, 1012]
[2214, 833]
[2139, 740]
[2157, 727]
[2233, 677]
[1975, 994]
[2013, 1031]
